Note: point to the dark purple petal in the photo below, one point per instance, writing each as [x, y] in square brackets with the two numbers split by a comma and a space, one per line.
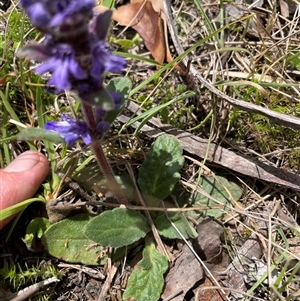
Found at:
[51, 15]
[103, 127]
[38, 14]
[100, 113]
[103, 60]
[84, 7]
[115, 63]
[76, 70]
[62, 65]
[88, 85]
[116, 96]
[26, 3]
[60, 78]
[102, 24]
[70, 130]
[87, 139]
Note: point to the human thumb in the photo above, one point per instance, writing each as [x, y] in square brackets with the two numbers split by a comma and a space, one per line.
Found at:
[21, 179]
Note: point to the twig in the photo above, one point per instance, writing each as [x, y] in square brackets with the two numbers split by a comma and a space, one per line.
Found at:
[89, 271]
[32, 289]
[107, 284]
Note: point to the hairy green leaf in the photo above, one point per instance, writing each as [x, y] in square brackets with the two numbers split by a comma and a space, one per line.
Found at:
[40, 134]
[122, 86]
[100, 98]
[38, 226]
[146, 282]
[160, 170]
[117, 228]
[66, 240]
[220, 189]
[166, 229]
[35, 229]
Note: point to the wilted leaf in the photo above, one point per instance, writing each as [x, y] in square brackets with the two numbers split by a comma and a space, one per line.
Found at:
[160, 170]
[222, 190]
[209, 243]
[66, 240]
[183, 275]
[117, 228]
[142, 17]
[166, 229]
[39, 134]
[149, 20]
[146, 282]
[204, 292]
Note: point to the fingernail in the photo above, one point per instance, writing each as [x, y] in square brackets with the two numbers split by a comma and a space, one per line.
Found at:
[24, 162]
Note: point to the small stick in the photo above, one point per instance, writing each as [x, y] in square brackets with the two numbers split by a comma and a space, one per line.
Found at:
[32, 289]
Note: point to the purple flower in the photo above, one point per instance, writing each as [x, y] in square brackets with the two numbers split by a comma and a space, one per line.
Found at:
[63, 67]
[74, 50]
[103, 60]
[70, 130]
[47, 15]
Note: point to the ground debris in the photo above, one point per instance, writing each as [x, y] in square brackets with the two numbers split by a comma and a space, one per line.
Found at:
[183, 275]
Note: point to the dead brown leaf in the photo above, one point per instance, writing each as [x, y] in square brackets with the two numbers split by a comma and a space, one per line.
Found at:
[148, 18]
[183, 275]
[202, 294]
[284, 8]
[141, 16]
[208, 244]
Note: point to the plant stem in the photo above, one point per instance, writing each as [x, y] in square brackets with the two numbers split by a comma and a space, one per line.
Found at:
[101, 158]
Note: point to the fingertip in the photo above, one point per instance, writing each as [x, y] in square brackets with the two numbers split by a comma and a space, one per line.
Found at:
[21, 179]
[27, 161]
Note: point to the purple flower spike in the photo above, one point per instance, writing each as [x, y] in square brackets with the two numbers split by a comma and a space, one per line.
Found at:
[74, 51]
[48, 15]
[63, 66]
[70, 130]
[103, 60]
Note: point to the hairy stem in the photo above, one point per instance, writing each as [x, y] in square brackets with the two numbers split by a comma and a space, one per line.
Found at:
[101, 158]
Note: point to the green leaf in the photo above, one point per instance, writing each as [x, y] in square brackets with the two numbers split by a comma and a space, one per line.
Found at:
[38, 226]
[100, 98]
[166, 229]
[109, 3]
[35, 229]
[66, 240]
[218, 188]
[122, 86]
[39, 134]
[117, 228]
[159, 171]
[125, 43]
[147, 281]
